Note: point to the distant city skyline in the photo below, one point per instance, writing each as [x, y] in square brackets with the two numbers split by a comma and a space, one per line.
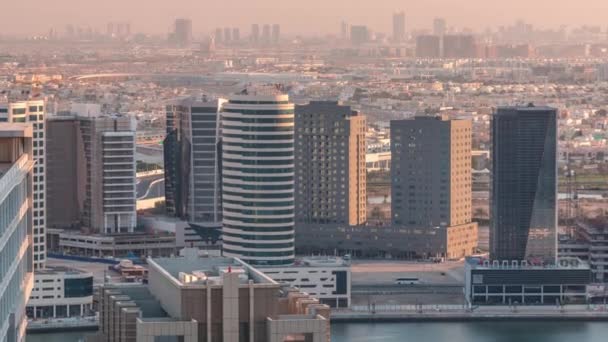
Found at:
[158, 17]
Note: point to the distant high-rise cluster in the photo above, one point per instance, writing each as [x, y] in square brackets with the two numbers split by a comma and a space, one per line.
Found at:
[182, 32]
[118, 29]
[359, 34]
[270, 34]
[399, 27]
[447, 46]
[227, 35]
[439, 26]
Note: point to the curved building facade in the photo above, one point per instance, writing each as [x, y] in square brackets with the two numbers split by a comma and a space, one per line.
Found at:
[258, 178]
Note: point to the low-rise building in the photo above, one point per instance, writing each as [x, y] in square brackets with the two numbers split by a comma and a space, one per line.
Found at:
[325, 278]
[61, 292]
[519, 283]
[439, 243]
[589, 242]
[116, 245]
[193, 298]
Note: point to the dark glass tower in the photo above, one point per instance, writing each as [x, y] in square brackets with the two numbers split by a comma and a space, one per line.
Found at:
[524, 184]
[192, 152]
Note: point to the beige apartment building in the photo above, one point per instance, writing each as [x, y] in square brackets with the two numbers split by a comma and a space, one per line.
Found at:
[431, 179]
[330, 149]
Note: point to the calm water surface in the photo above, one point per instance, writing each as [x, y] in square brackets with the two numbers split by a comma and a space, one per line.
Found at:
[439, 332]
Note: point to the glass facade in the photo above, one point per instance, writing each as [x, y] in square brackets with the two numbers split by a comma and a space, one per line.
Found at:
[258, 179]
[524, 184]
[192, 151]
[78, 287]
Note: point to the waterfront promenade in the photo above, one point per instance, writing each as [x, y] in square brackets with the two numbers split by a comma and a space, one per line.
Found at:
[421, 313]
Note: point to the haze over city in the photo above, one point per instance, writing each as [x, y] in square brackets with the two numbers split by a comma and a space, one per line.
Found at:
[296, 17]
[321, 170]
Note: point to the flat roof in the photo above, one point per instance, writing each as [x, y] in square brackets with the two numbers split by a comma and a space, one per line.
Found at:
[16, 130]
[210, 265]
[141, 296]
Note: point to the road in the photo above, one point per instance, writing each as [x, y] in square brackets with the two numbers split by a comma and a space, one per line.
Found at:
[150, 187]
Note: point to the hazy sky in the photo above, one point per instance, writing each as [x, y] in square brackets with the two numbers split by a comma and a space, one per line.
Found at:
[295, 16]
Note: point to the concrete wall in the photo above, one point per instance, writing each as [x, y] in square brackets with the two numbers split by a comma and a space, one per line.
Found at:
[148, 330]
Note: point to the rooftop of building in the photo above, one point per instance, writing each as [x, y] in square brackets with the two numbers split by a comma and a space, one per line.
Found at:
[262, 90]
[321, 261]
[15, 130]
[195, 268]
[593, 226]
[56, 270]
[141, 296]
[9, 132]
[565, 263]
[531, 107]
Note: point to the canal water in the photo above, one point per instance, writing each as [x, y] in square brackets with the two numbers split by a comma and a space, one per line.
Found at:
[439, 332]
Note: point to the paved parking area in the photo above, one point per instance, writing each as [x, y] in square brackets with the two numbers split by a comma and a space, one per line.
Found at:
[385, 272]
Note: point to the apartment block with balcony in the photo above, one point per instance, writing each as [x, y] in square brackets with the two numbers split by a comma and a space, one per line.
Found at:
[16, 230]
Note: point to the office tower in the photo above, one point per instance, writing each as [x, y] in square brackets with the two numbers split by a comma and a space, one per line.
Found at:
[266, 33]
[64, 174]
[428, 46]
[344, 31]
[16, 266]
[524, 184]
[431, 172]
[192, 152]
[359, 34]
[33, 111]
[399, 27]
[194, 298]
[255, 33]
[236, 34]
[330, 151]
[257, 176]
[431, 183]
[219, 37]
[227, 34]
[104, 164]
[276, 33]
[183, 32]
[439, 27]
[459, 46]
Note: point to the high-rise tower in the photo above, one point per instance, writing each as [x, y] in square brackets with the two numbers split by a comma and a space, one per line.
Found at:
[399, 27]
[192, 161]
[258, 176]
[33, 111]
[523, 206]
[330, 164]
[431, 180]
[16, 266]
